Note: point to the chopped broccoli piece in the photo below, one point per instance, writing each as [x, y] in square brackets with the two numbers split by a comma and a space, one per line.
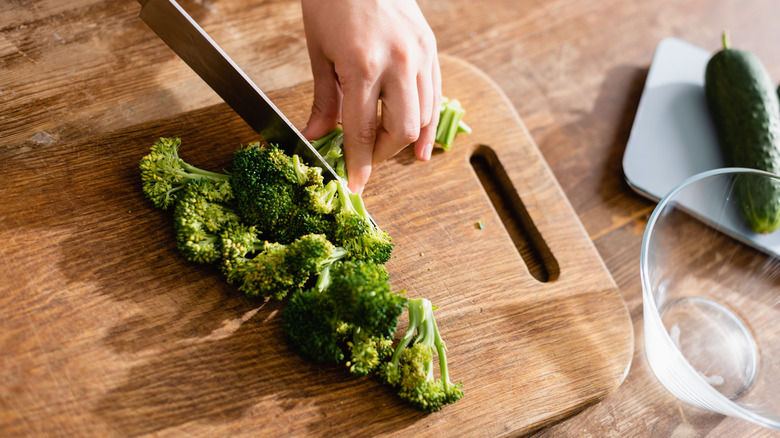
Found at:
[362, 291]
[322, 199]
[164, 174]
[273, 192]
[411, 366]
[450, 123]
[350, 313]
[271, 269]
[366, 352]
[356, 232]
[200, 214]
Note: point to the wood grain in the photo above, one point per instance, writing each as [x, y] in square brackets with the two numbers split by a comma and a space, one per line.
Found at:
[573, 70]
[119, 332]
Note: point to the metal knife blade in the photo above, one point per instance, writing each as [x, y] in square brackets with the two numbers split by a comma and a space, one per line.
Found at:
[193, 45]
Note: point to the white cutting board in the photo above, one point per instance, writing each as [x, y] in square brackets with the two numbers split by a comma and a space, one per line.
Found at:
[673, 137]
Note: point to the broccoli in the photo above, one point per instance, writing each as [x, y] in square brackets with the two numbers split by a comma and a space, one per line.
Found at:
[331, 148]
[272, 269]
[286, 199]
[164, 174]
[331, 145]
[322, 199]
[349, 314]
[278, 231]
[199, 216]
[411, 366]
[356, 232]
[450, 123]
[272, 192]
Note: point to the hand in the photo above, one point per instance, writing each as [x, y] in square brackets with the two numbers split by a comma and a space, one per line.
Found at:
[367, 54]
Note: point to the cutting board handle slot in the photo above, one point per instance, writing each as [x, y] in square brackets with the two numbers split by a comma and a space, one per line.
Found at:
[510, 209]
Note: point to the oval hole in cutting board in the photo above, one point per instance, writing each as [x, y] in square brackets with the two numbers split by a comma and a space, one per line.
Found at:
[510, 209]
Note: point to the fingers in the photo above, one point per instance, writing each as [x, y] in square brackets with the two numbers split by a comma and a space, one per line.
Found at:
[359, 120]
[363, 54]
[431, 89]
[326, 105]
[400, 124]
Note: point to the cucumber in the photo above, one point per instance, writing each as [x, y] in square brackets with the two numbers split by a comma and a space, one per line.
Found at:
[745, 109]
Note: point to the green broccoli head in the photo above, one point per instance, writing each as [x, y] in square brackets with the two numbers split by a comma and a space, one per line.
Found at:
[272, 192]
[411, 366]
[356, 232]
[199, 218]
[275, 269]
[362, 291]
[164, 174]
[321, 199]
[310, 326]
[352, 310]
[367, 353]
[263, 183]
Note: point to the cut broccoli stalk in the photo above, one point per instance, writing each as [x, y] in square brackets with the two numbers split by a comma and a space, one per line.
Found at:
[331, 145]
[411, 367]
[450, 123]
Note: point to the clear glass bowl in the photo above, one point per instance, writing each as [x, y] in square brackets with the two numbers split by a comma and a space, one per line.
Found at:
[711, 296]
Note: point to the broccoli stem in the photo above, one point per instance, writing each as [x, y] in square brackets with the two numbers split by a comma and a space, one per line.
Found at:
[299, 172]
[325, 140]
[198, 173]
[441, 351]
[323, 278]
[415, 310]
[450, 123]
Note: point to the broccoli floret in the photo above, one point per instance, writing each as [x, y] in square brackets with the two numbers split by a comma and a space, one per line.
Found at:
[201, 213]
[271, 269]
[310, 326]
[366, 352]
[411, 366]
[263, 180]
[164, 174]
[322, 199]
[362, 291]
[349, 316]
[356, 232]
[272, 193]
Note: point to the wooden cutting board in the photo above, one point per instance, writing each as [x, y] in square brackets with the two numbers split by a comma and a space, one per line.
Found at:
[106, 331]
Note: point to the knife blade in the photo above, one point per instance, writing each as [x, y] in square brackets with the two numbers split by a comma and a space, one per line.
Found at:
[193, 45]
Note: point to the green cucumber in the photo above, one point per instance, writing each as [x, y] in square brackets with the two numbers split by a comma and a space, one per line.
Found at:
[745, 109]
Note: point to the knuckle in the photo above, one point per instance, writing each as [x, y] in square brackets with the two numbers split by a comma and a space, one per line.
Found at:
[366, 134]
[408, 133]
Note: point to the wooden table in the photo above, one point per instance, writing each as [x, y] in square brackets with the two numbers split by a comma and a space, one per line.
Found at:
[574, 71]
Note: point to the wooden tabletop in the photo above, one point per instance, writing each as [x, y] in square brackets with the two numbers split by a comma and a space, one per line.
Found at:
[574, 70]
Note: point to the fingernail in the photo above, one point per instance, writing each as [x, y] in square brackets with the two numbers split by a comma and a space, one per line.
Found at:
[355, 188]
[427, 151]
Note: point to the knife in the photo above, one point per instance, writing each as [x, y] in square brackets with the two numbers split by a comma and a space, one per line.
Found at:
[193, 45]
